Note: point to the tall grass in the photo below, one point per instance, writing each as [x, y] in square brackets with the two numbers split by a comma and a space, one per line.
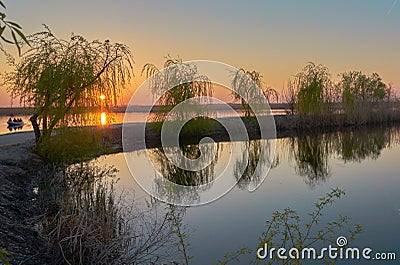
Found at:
[71, 145]
[89, 222]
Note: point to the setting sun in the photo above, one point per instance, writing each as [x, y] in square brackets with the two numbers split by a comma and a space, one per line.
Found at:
[102, 97]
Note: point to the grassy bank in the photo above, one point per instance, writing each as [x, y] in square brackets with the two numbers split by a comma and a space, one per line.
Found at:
[86, 220]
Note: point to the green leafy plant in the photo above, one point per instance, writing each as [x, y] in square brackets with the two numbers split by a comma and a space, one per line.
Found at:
[312, 82]
[234, 256]
[14, 29]
[175, 216]
[72, 145]
[285, 229]
[362, 94]
[251, 89]
[3, 259]
[58, 77]
[174, 85]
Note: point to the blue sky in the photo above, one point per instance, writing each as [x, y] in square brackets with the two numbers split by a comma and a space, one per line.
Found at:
[276, 38]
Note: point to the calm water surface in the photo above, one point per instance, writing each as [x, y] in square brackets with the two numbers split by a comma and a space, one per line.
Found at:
[364, 163]
[97, 119]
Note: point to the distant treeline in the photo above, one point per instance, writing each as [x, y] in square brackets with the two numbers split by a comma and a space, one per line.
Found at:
[16, 111]
[145, 108]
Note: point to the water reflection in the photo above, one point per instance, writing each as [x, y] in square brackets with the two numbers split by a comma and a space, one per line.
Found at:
[103, 118]
[251, 165]
[311, 153]
[187, 177]
[15, 127]
[201, 178]
[321, 158]
[357, 146]
[89, 119]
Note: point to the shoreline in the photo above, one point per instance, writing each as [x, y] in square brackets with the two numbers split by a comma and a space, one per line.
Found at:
[9, 111]
[286, 126]
[20, 175]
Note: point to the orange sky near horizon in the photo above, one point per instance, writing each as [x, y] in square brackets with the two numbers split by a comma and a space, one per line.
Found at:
[276, 38]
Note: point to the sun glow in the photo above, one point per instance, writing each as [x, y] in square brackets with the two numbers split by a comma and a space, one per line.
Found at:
[103, 118]
[102, 97]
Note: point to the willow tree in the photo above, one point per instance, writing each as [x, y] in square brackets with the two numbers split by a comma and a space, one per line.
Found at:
[177, 82]
[313, 82]
[250, 85]
[58, 76]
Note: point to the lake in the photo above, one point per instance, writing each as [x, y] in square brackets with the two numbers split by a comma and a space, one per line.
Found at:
[363, 163]
[102, 119]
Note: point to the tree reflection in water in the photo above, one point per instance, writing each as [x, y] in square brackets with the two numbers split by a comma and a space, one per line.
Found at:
[311, 156]
[200, 180]
[358, 146]
[311, 153]
[254, 173]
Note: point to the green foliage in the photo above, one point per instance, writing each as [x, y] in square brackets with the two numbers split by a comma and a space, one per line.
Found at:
[285, 229]
[191, 129]
[249, 86]
[174, 85]
[71, 145]
[4, 253]
[14, 29]
[57, 76]
[234, 256]
[312, 83]
[359, 89]
[175, 215]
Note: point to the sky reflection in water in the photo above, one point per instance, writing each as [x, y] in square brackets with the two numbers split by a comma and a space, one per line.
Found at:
[363, 163]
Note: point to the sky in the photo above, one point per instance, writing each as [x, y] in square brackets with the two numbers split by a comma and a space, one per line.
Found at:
[275, 37]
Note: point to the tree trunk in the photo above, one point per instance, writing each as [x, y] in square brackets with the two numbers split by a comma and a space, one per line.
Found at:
[35, 126]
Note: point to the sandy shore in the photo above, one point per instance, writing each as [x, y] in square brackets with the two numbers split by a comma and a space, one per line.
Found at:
[16, 138]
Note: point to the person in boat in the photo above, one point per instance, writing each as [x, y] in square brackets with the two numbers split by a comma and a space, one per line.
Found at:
[10, 120]
[14, 120]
